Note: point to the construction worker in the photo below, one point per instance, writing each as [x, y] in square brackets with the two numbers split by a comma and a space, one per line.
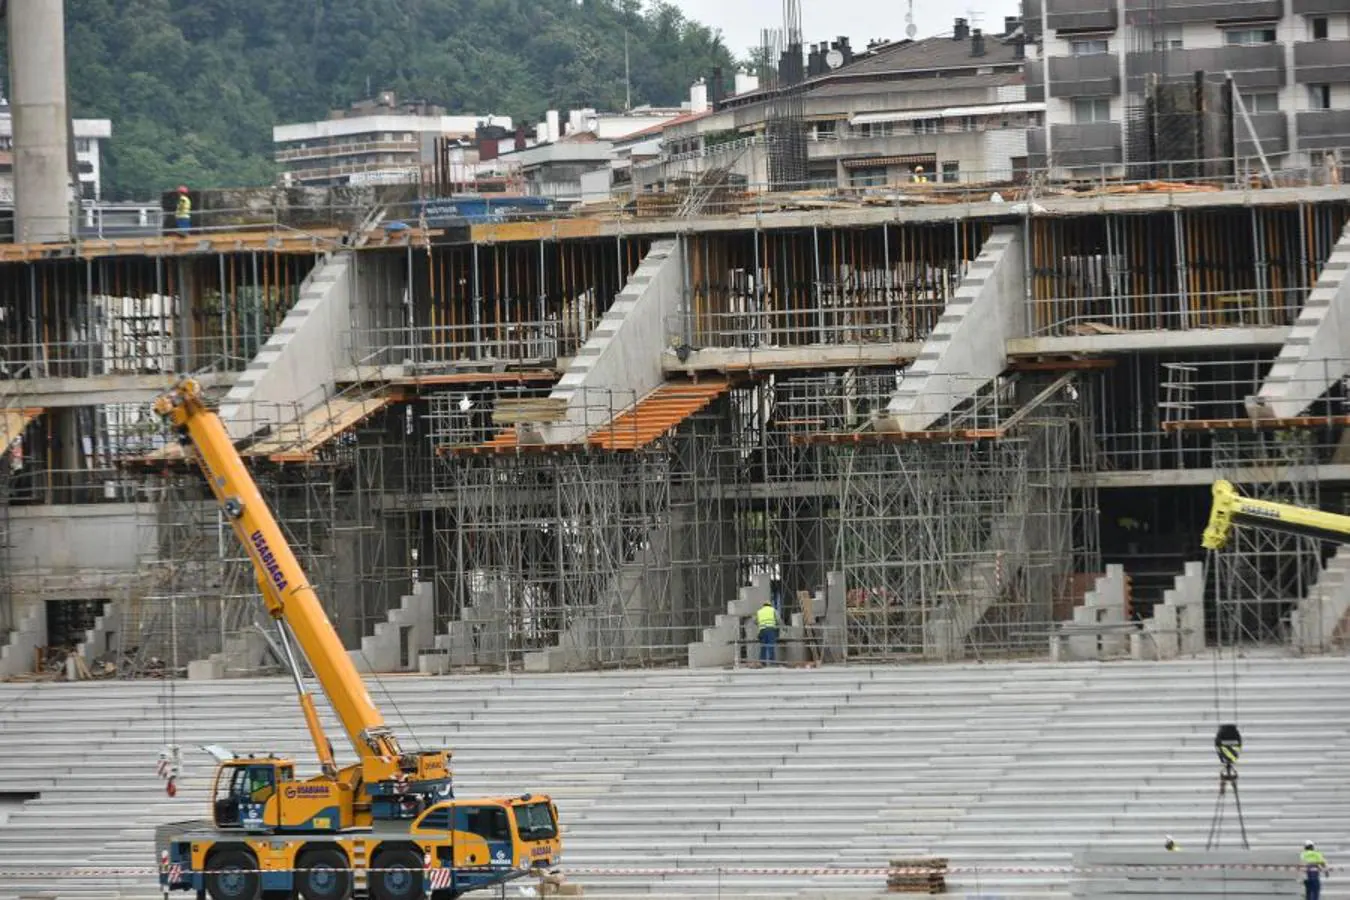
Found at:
[1314, 867]
[766, 620]
[918, 176]
[1170, 845]
[182, 213]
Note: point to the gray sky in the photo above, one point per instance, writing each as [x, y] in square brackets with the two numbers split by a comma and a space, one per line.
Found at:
[862, 20]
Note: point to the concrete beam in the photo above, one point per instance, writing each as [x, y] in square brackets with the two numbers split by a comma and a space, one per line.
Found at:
[42, 158]
[1132, 341]
[775, 359]
[60, 393]
[1326, 474]
[861, 216]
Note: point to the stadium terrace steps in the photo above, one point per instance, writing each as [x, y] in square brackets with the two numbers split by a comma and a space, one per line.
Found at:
[997, 767]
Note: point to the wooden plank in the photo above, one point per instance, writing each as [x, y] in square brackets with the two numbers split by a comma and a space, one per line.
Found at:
[1256, 424]
[13, 422]
[297, 440]
[529, 411]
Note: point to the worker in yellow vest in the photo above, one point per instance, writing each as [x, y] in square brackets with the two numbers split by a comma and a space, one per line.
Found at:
[766, 621]
[1314, 868]
[182, 212]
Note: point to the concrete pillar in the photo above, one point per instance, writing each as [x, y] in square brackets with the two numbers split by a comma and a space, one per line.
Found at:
[37, 77]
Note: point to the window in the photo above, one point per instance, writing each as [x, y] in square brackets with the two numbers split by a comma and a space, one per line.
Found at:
[969, 123]
[875, 129]
[1091, 109]
[437, 818]
[1167, 38]
[82, 145]
[1319, 96]
[1317, 27]
[1089, 47]
[1268, 102]
[826, 131]
[927, 126]
[951, 171]
[535, 822]
[1247, 37]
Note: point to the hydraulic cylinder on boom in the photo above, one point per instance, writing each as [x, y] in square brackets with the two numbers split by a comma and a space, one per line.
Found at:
[385, 825]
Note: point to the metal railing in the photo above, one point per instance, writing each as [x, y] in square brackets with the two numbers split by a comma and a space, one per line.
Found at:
[1170, 311]
[865, 323]
[429, 347]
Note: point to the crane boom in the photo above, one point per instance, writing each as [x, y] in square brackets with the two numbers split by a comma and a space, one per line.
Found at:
[1230, 508]
[286, 591]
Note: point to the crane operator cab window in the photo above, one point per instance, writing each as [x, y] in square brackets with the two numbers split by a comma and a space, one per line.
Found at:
[242, 792]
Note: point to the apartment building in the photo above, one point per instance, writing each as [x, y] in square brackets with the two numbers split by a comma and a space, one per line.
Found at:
[1289, 61]
[373, 142]
[89, 135]
[955, 105]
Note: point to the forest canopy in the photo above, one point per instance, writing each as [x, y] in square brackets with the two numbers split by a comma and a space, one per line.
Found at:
[193, 87]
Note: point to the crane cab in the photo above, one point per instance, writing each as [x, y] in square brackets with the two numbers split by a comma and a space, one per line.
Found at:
[262, 795]
[515, 833]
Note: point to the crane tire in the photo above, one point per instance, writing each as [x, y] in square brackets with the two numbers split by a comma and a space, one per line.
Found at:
[232, 875]
[323, 874]
[401, 877]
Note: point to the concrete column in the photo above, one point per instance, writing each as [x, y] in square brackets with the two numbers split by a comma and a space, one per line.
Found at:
[37, 77]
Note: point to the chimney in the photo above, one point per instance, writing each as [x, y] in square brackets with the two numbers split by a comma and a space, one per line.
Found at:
[1010, 24]
[1019, 47]
[845, 49]
[520, 137]
[551, 119]
[961, 31]
[977, 43]
[746, 82]
[716, 88]
[698, 97]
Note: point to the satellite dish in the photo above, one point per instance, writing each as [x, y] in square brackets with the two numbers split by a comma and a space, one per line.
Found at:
[834, 59]
[910, 30]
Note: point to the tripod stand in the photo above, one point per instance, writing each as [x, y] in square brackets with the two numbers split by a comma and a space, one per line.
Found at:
[1228, 777]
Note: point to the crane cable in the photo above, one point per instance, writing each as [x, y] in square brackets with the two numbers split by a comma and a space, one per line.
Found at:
[1224, 614]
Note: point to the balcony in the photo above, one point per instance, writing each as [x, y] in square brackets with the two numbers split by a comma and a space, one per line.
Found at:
[1179, 12]
[1035, 80]
[1080, 15]
[1322, 62]
[1318, 7]
[1272, 129]
[1261, 66]
[1036, 148]
[1031, 17]
[1324, 129]
[1092, 144]
[1085, 76]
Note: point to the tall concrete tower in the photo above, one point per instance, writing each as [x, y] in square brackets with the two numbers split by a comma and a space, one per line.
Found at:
[37, 78]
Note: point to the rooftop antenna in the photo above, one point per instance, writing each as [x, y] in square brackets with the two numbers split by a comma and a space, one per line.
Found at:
[910, 28]
[974, 17]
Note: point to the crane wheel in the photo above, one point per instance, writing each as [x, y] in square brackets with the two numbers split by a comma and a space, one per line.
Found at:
[400, 878]
[323, 875]
[232, 875]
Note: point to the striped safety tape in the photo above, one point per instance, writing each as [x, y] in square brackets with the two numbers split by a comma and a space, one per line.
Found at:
[749, 871]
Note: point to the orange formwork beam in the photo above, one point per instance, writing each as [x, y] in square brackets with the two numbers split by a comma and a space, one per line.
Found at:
[657, 413]
[12, 424]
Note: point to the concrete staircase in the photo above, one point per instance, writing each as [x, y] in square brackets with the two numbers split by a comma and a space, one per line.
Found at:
[18, 646]
[410, 625]
[1317, 352]
[1177, 625]
[1323, 616]
[301, 358]
[622, 356]
[968, 347]
[631, 595]
[1006, 769]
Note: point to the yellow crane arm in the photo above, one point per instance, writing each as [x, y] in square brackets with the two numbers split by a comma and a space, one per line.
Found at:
[287, 592]
[1230, 508]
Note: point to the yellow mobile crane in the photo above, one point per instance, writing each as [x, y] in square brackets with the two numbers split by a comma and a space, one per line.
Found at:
[385, 827]
[1230, 508]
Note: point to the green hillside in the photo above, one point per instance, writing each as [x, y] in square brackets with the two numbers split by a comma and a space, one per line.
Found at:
[193, 87]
